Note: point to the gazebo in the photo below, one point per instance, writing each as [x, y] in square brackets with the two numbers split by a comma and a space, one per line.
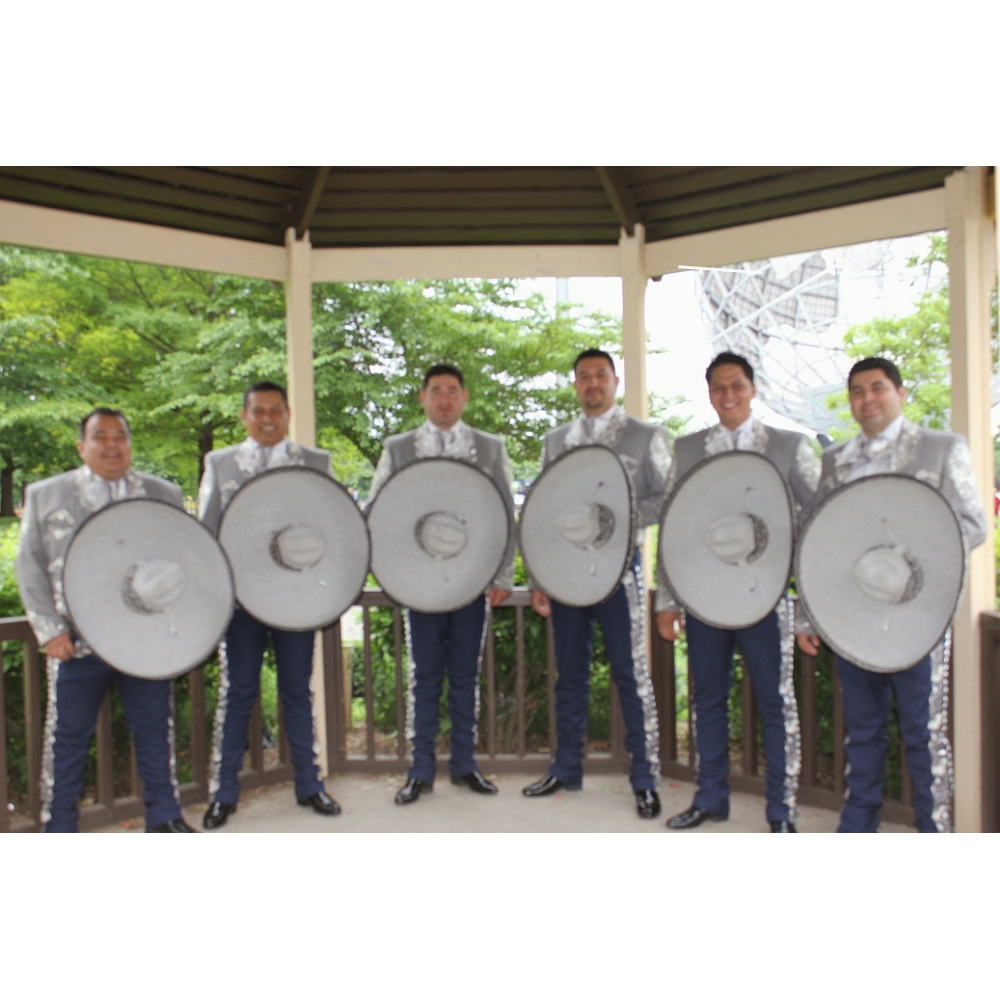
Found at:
[301, 225]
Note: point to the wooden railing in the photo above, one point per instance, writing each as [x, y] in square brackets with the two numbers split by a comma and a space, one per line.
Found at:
[515, 695]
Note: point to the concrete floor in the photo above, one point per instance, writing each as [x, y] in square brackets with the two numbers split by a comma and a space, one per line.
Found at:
[604, 805]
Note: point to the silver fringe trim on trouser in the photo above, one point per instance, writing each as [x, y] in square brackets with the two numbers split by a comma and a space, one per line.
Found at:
[789, 708]
[317, 746]
[411, 679]
[635, 594]
[172, 744]
[411, 682]
[479, 668]
[47, 779]
[942, 765]
[215, 771]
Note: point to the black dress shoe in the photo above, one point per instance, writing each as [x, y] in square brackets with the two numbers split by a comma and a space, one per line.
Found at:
[321, 803]
[694, 816]
[217, 814]
[546, 786]
[477, 782]
[782, 826]
[410, 792]
[648, 803]
[172, 826]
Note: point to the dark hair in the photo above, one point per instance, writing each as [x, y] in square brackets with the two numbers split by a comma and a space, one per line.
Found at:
[443, 369]
[593, 352]
[883, 365]
[265, 387]
[728, 358]
[103, 411]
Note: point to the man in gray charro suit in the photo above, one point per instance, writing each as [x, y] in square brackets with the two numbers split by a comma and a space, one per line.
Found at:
[450, 642]
[265, 416]
[645, 451]
[78, 680]
[768, 645]
[889, 443]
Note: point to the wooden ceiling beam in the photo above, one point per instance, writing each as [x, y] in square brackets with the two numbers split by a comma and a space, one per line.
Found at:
[308, 200]
[616, 188]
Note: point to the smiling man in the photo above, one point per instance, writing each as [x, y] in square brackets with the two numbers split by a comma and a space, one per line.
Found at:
[265, 417]
[448, 644]
[645, 452]
[78, 679]
[731, 392]
[889, 443]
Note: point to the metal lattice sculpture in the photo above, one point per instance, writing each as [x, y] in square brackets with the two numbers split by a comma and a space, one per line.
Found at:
[779, 314]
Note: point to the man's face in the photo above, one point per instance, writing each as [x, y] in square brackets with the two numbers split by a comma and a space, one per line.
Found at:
[106, 447]
[265, 418]
[443, 401]
[595, 385]
[730, 393]
[875, 400]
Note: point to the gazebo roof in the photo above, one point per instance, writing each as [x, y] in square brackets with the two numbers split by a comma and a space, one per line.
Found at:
[455, 206]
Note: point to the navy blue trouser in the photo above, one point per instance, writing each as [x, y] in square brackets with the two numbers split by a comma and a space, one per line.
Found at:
[710, 659]
[867, 699]
[81, 684]
[443, 645]
[246, 639]
[624, 639]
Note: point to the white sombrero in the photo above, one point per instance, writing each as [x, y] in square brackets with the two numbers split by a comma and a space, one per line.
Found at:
[881, 571]
[576, 526]
[147, 588]
[298, 546]
[726, 538]
[440, 530]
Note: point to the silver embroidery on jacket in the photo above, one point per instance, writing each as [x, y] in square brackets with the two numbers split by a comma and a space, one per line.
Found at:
[906, 447]
[806, 464]
[960, 473]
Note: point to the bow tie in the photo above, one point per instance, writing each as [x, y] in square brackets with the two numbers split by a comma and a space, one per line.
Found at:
[876, 447]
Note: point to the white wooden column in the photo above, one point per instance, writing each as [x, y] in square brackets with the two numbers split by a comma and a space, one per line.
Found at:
[632, 264]
[972, 266]
[302, 400]
[632, 253]
[298, 338]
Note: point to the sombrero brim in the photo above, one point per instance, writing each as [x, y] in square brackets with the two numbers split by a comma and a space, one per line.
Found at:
[565, 572]
[716, 592]
[290, 599]
[868, 513]
[404, 569]
[102, 554]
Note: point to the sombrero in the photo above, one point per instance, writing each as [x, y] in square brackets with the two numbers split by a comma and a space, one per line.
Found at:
[881, 570]
[576, 526]
[726, 537]
[440, 530]
[298, 546]
[147, 588]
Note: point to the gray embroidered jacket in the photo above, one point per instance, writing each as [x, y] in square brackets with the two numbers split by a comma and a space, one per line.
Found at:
[486, 451]
[790, 451]
[53, 510]
[939, 458]
[643, 448]
[227, 469]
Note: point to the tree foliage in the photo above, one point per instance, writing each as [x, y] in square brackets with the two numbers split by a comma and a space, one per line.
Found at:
[175, 349]
[919, 344]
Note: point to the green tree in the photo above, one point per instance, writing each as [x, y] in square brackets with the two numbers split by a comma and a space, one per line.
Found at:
[374, 342]
[918, 343]
[175, 349]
